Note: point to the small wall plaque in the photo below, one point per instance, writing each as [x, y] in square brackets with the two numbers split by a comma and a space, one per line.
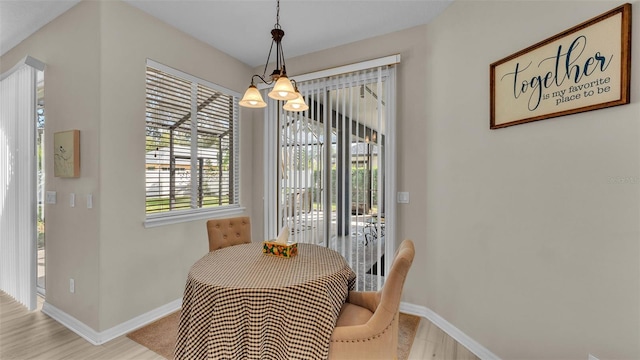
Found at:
[66, 154]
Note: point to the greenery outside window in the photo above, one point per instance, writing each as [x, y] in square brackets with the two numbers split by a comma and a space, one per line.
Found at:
[191, 147]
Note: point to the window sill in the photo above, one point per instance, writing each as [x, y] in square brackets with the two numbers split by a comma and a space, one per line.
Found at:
[190, 215]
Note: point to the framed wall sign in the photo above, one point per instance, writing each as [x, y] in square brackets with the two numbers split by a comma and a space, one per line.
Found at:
[66, 154]
[583, 68]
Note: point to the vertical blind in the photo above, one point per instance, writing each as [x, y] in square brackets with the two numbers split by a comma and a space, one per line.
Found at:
[331, 167]
[191, 143]
[17, 182]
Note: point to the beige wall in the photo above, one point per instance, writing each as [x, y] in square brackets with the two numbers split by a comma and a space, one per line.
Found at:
[535, 249]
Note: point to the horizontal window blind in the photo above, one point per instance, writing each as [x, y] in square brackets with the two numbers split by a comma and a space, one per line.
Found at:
[191, 144]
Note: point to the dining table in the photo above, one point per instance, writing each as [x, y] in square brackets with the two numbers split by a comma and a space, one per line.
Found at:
[240, 303]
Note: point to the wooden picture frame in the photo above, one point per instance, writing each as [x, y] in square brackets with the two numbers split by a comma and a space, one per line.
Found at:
[66, 154]
[586, 67]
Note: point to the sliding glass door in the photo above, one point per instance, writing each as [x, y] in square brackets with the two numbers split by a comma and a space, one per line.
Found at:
[333, 168]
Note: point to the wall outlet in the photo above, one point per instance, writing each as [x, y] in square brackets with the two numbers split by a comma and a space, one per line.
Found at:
[591, 357]
[72, 286]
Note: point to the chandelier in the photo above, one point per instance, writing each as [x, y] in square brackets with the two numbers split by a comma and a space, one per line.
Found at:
[284, 89]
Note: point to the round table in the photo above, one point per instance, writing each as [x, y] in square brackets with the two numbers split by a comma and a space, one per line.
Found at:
[242, 304]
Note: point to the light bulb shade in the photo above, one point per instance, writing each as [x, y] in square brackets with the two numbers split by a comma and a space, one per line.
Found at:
[283, 89]
[252, 98]
[296, 104]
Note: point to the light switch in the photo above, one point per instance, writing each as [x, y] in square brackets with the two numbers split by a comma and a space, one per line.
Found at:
[403, 197]
[72, 200]
[89, 201]
[51, 197]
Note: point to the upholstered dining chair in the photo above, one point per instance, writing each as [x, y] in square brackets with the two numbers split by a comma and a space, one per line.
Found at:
[228, 231]
[367, 327]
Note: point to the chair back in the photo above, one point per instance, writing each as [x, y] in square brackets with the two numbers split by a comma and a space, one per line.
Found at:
[228, 232]
[367, 327]
[391, 293]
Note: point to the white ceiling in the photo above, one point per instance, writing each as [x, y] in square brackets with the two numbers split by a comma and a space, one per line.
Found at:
[241, 28]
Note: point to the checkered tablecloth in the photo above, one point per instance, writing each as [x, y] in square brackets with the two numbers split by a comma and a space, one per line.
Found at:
[242, 304]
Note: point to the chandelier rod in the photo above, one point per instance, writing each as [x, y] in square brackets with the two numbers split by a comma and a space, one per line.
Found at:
[285, 89]
[276, 34]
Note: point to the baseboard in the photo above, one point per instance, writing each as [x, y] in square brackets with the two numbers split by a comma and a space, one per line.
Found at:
[99, 338]
[473, 346]
[72, 323]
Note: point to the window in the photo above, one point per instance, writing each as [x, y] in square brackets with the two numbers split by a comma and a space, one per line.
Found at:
[191, 143]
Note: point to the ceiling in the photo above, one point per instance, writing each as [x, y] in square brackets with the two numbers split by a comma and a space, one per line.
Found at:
[241, 28]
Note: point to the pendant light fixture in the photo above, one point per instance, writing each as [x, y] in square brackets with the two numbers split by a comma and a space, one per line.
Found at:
[284, 89]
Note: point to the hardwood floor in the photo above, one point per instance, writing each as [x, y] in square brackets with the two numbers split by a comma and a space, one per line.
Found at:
[433, 343]
[33, 335]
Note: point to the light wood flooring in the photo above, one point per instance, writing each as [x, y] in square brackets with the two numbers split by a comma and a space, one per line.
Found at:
[433, 343]
[33, 335]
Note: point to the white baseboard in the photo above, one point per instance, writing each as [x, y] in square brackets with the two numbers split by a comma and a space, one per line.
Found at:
[473, 346]
[72, 323]
[98, 338]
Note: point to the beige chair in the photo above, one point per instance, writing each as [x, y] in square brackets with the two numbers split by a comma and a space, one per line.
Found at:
[367, 327]
[227, 232]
